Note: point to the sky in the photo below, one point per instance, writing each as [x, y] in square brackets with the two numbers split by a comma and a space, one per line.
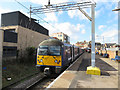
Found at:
[73, 23]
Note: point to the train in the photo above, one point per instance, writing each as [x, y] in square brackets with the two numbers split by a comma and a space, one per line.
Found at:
[53, 56]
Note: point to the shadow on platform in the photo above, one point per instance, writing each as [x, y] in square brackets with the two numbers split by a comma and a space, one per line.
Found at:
[87, 62]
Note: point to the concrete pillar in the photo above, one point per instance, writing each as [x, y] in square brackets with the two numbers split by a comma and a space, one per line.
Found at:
[119, 44]
[93, 36]
[1, 51]
[119, 24]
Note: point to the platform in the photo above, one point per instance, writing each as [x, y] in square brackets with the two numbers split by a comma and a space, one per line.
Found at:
[75, 76]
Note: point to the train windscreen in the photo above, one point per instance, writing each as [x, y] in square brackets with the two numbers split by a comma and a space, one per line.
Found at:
[54, 50]
[49, 50]
[43, 50]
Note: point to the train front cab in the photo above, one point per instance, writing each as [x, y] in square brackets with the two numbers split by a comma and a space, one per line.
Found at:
[49, 58]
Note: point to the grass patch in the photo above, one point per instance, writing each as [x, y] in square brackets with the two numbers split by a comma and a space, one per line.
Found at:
[16, 71]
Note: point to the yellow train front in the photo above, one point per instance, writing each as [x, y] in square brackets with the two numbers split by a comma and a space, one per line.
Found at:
[53, 55]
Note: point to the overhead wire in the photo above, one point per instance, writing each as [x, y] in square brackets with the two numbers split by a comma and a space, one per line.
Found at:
[21, 4]
[36, 14]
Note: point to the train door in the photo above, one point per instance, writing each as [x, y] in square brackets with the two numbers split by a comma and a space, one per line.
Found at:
[72, 53]
[65, 56]
[78, 51]
[66, 51]
[69, 54]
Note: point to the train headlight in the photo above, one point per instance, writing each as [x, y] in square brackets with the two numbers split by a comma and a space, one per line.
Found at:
[41, 60]
[55, 61]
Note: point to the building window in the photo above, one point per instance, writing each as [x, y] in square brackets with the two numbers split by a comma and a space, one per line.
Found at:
[10, 36]
[9, 51]
[60, 35]
[68, 39]
[65, 37]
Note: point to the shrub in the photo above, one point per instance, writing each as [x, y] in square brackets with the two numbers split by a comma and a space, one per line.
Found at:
[30, 54]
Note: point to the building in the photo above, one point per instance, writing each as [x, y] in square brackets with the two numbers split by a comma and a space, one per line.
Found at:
[116, 45]
[109, 45]
[17, 32]
[61, 36]
[83, 44]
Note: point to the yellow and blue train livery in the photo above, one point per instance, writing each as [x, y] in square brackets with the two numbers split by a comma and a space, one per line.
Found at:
[53, 55]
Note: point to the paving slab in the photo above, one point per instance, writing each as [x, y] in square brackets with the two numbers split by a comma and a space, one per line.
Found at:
[76, 77]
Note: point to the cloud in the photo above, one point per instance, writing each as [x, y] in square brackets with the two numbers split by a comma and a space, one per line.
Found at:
[79, 26]
[72, 13]
[113, 19]
[77, 13]
[60, 12]
[101, 27]
[83, 31]
[51, 17]
[110, 33]
[98, 12]
[67, 28]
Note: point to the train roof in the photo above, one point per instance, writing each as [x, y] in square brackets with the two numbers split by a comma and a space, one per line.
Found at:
[55, 42]
[51, 42]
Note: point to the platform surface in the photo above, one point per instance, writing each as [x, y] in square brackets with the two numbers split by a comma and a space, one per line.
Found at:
[76, 77]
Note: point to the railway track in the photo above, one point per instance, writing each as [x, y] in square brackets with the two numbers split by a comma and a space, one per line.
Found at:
[42, 84]
[45, 82]
[40, 81]
[18, 83]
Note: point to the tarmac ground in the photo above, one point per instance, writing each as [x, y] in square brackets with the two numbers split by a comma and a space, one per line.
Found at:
[76, 77]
